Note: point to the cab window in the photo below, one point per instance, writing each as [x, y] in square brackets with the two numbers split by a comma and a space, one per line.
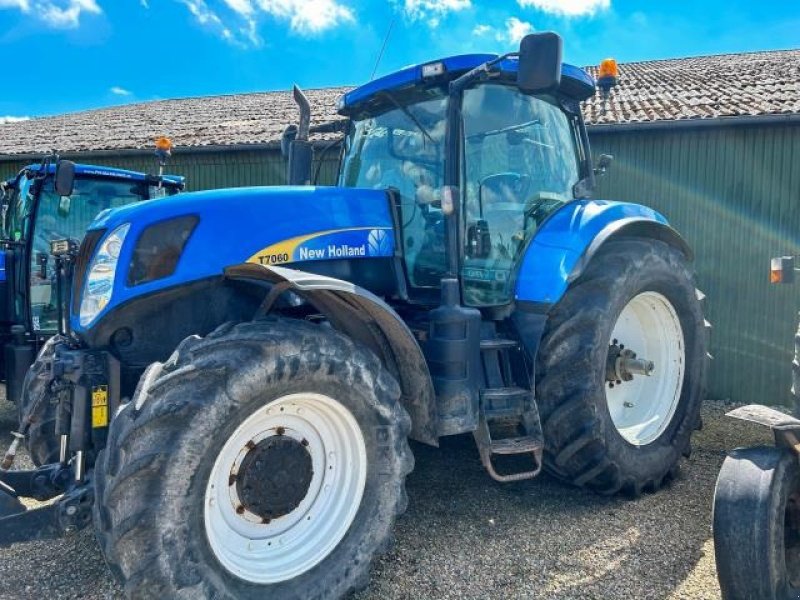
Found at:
[520, 164]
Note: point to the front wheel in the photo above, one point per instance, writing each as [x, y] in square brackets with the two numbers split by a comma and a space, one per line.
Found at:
[621, 369]
[266, 460]
[757, 524]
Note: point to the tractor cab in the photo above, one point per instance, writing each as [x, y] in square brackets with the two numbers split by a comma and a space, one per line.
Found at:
[54, 200]
[457, 137]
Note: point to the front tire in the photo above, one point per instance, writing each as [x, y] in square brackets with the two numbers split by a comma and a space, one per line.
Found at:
[757, 524]
[36, 410]
[266, 460]
[605, 428]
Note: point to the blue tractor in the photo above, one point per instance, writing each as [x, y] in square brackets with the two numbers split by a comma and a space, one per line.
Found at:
[34, 213]
[243, 368]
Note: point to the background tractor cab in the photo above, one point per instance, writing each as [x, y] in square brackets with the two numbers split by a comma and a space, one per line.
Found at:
[53, 200]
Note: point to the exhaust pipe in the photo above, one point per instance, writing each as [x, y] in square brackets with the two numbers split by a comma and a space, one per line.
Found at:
[300, 150]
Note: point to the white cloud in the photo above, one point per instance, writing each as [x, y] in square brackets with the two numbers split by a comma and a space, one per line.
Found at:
[202, 13]
[65, 15]
[144, 3]
[120, 91]
[307, 16]
[237, 21]
[567, 8]
[60, 14]
[23, 5]
[11, 119]
[433, 10]
[516, 30]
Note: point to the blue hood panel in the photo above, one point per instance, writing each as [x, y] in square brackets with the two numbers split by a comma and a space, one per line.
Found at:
[268, 225]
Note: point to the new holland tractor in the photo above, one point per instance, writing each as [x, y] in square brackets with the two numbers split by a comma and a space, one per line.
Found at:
[242, 369]
[34, 214]
[757, 497]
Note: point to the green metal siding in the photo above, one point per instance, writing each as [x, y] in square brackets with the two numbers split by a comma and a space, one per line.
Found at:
[734, 194]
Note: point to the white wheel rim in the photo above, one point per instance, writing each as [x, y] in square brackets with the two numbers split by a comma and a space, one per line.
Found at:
[291, 544]
[642, 408]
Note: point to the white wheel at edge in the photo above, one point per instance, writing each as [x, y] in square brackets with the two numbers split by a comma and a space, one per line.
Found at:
[292, 544]
[643, 408]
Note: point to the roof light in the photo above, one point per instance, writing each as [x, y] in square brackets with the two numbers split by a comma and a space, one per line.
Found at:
[608, 68]
[164, 144]
[432, 70]
[781, 269]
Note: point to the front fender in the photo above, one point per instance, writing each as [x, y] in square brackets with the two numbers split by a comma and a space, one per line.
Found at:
[566, 242]
[367, 319]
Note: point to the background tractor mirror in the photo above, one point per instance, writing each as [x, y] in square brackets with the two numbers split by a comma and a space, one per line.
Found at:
[603, 163]
[65, 178]
[540, 62]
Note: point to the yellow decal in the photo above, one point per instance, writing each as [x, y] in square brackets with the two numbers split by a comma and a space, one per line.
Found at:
[284, 252]
[99, 406]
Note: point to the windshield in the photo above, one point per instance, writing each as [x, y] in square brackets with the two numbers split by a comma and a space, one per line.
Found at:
[69, 217]
[402, 149]
[520, 165]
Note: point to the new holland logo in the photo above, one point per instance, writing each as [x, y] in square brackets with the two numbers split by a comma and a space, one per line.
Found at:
[378, 243]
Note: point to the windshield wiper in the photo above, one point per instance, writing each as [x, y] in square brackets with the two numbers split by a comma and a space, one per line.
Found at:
[408, 113]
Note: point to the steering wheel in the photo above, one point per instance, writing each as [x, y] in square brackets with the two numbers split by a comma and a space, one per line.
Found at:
[506, 187]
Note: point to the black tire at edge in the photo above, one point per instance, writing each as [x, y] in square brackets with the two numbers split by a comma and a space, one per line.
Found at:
[748, 523]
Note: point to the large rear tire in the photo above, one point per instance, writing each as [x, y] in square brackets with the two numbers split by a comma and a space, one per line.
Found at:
[757, 524]
[636, 300]
[36, 410]
[267, 460]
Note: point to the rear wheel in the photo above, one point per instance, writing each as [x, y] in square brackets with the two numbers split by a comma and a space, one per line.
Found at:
[621, 369]
[266, 460]
[757, 524]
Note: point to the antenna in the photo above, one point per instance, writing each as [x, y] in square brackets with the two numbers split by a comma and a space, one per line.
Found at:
[383, 47]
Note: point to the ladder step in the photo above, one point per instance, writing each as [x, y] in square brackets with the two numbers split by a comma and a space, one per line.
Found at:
[498, 344]
[516, 445]
[505, 393]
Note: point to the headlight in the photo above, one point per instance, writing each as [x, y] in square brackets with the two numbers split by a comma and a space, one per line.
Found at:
[100, 280]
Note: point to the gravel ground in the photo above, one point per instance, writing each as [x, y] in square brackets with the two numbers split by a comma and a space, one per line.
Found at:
[465, 536]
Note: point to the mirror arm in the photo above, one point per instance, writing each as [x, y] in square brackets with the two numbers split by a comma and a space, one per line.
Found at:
[458, 84]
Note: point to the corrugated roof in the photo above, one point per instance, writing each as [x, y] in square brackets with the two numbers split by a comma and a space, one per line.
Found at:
[760, 83]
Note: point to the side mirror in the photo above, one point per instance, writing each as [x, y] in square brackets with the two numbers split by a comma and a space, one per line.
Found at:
[540, 62]
[603, 163]
[65, 178]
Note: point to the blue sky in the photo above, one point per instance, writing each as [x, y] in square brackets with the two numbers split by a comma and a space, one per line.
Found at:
[67, 55]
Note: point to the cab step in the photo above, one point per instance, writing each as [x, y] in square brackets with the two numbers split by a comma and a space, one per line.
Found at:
[530, 445]
[505, 402]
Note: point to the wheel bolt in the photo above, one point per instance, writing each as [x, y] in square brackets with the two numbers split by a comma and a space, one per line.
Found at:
[627, 404]
[280, 431]
[304, 442]
[240, 510]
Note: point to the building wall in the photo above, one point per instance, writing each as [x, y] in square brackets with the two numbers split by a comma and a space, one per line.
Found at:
[733, 193]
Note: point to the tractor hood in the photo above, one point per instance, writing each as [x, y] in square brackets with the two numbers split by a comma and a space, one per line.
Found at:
[265, 225]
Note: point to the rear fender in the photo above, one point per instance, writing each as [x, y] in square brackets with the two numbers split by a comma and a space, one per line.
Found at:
[786, 429]
[367, 319]
[566, 242]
